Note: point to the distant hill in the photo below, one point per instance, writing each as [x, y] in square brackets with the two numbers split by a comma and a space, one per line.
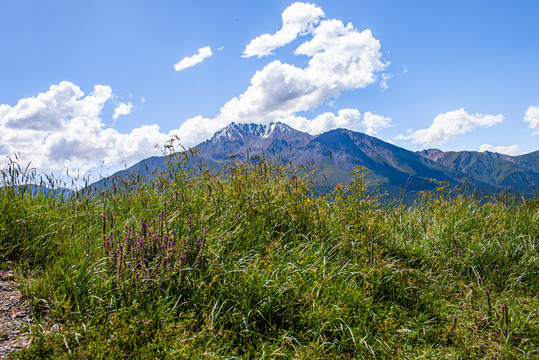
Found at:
[337, 152]
[520, 173]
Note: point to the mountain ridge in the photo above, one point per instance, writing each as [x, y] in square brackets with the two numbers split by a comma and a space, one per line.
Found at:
[338, 151]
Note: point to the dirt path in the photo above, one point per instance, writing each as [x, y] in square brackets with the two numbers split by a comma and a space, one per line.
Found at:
[14, 315]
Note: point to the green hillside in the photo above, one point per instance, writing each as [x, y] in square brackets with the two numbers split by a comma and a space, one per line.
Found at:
[251, 264]
[500, 172]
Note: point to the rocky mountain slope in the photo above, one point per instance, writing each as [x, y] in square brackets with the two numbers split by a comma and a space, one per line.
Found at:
[337, 152]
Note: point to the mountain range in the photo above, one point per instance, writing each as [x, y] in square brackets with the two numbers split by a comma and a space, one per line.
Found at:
[338, 151]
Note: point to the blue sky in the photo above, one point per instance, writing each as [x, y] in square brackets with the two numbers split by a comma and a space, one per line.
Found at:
[89, 83]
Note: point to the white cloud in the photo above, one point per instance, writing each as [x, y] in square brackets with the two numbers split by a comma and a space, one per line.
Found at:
[508, 150]
[62, 128]
[449, 126]
[384, 81]
[532, 116]
[298, 19]
[341, 58]
[48, 111]
[190, 61]
[324, 122]
[122, 109]
[372, 123]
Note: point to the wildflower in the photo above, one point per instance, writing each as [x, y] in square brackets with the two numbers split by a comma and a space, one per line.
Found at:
[460, 252]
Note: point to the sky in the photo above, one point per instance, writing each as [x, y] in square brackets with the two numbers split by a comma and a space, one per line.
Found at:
[99, 85]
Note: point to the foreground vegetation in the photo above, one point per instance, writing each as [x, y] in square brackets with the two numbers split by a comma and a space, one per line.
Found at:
[250, 263]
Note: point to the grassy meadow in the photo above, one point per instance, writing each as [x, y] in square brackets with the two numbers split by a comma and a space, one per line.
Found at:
[250, 263]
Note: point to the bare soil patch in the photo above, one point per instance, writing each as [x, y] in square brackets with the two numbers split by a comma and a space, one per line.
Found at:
[14, 316]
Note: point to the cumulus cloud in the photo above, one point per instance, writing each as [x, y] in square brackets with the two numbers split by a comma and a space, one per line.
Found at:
[449, 126]
[345, 118]
[122, 109]
[532, 117]
[341, 58]
[298, 19]
[48, 111]
[190, 61]
[373, 123]
[507, 150]
[62, 128]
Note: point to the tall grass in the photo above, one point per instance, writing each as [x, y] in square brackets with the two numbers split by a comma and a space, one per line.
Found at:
[252, 263]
